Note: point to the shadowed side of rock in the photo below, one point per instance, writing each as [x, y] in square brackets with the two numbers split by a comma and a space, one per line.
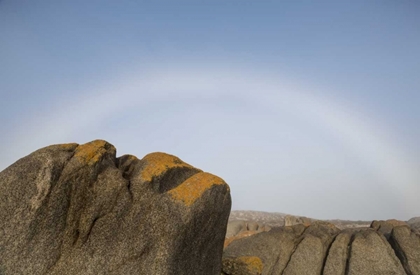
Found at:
[77, 209]
[406, 244]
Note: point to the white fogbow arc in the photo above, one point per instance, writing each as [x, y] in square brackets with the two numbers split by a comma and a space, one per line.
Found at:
[132, 91]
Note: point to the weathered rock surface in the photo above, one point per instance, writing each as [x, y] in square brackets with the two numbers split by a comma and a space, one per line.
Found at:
[407, 246]
[308, 258]
[242, 266]
[370, 253]
[386, 227]
[242, 229]
[267, 246]
[77, 209]
[336, 260]
[236, 227]
[415, 223]
[387, 248]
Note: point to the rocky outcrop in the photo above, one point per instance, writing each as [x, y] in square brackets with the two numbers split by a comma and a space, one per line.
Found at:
[336, 261]
[242, 229]
[387, 248]
[272, 247]
[406, 243]
[386, 227]
[78, 209]
[370, 253]
[236, 227]
[415, 223]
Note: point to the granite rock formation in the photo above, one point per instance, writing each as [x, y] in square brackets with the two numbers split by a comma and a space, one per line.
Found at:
[414, 223]
[242, 229]
[78, 209]
[320, 248]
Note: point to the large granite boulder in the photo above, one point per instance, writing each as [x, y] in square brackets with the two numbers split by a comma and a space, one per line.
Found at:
[370, 253]
[78, 209]
[308, 256]
[406, 243]
[336, 260]
[387, 248]
[415, 224]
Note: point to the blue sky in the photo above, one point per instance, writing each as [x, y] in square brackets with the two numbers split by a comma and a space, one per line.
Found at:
[303, 107]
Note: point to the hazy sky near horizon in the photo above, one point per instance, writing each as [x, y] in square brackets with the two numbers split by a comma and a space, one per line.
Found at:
[303, 107]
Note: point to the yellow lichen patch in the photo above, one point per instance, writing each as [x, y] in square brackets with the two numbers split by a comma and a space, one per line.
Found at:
[191, 189]
[158, 163]
[253, 264]
[91, 152]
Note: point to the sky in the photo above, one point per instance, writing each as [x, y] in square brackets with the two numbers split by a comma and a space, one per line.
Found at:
[302, 107]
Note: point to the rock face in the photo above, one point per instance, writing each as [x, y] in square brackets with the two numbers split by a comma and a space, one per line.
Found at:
[242, 229]
[387, 248]
[407, 245]
[370, 253]
[77, 209]
[415, 223]
[236, 227]
[242, 266]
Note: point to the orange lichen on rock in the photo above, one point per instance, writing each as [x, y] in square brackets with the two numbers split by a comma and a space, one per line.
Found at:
[91, 152]
[253, 264]
[158, 163]
[193, 188]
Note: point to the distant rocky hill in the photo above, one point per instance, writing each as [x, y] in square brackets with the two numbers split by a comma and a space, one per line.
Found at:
[281, 219]
[73, 209]
[267, 218]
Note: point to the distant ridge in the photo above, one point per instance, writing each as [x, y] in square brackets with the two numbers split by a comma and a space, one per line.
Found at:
[276, 219]
[268, 218]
